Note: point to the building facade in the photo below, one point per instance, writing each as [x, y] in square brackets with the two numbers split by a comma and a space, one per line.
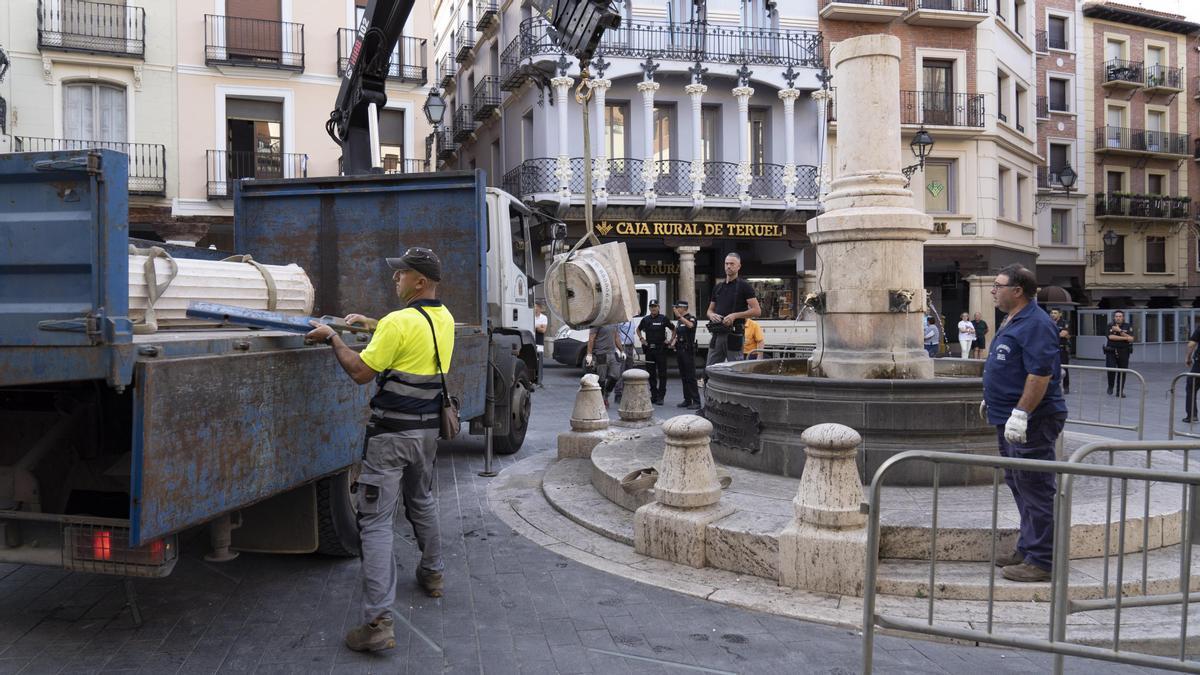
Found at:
[968, 78]
[704, 136]
[199, 95]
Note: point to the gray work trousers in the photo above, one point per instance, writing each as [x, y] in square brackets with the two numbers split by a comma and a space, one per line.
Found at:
[624, 366]
[397, 464]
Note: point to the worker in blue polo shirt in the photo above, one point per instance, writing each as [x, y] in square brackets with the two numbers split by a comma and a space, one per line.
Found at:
[1023, 393]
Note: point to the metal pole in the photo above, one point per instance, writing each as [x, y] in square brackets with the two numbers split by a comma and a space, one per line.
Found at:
[489, 411]
[373, 131]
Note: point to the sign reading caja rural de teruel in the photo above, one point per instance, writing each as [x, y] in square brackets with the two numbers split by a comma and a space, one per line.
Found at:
[634, 228]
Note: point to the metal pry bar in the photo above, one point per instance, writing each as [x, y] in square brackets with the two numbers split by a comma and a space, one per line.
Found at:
[233, 315]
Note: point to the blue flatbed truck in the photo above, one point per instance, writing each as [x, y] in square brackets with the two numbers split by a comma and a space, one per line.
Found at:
[114, 442]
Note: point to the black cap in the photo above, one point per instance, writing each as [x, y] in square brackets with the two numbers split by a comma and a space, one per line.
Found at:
[654, 303]
[681, 303]
[418, 259]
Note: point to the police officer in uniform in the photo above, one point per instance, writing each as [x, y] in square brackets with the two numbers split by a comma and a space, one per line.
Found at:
[684, 343]
[652, 331]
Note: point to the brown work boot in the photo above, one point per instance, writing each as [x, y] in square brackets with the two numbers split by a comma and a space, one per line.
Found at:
[431, 582]
[1014, 558]
[372, 637]
[1024, 572]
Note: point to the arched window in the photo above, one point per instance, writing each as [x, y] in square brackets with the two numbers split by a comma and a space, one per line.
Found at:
[94, 112]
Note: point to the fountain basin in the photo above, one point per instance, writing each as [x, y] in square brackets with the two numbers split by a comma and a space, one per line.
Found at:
[760, 408]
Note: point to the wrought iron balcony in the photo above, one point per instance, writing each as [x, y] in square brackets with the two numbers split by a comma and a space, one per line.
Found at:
[446, 145]
[1119, 205]
[93, 27]
[947, 13]
[1043, 108]
[408, 62]
[1122, 140]
[227, 166]
[538, 176]
[1163, 79]
[464, 124]
[398, 165]
[447, 71]
[147, 161]
[689, 42]
[487, 13]
[512, 72]
[464, 41]
[1196, 153]
[486, 97]
[939, 108]
[1048, 177]
[880, 11]
[258, 43]
[1119, 73]
[1041, 41]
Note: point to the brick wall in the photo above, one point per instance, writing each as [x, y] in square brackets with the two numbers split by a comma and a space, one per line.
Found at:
[911, 38]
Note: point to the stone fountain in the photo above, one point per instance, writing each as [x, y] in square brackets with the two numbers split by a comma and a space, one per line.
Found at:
[869, 370]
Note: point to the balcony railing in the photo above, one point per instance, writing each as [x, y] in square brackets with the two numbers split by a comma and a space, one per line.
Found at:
[1142, 207]
[408, 62]
[1164, 77]
[147, 161]
[398, 165]
[464, 41]
[538, 176]
[941, 108]
[512, 72]
[1196, 152]
[1043, 107]
[977, 6]
[488, 13]
[447, 71]
[1041, 41]
[1122, 71]
[446, 145]
[227, 166]
[1048, 177]
[1122, 139]
[464, 123]
[94, 27]
[486, 97]
[259, 43]
[690, 42]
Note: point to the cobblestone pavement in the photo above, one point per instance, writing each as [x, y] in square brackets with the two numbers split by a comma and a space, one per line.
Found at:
[510, 607]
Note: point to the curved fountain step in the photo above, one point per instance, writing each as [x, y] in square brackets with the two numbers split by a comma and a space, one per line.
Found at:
[751, 542]
[764, 504]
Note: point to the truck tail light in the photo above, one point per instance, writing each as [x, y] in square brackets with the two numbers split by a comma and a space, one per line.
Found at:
[106, 549]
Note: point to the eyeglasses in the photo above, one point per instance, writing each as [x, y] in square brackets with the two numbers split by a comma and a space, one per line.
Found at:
[995, 286]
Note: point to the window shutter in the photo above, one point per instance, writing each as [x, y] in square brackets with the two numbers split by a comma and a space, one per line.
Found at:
[77, 111]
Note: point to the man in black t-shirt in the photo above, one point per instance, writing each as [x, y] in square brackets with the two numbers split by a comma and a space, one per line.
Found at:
[1193, 362]
[733, 301]
[652, 331]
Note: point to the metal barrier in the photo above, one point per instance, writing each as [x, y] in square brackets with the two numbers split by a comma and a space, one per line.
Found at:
[1192, 431]
[783, 352]
[1060, 605]
[1079, 408]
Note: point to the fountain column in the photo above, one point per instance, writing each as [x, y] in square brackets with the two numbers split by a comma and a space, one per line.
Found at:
[870, 241]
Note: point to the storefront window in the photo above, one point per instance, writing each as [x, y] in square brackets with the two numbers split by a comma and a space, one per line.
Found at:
[776, 296]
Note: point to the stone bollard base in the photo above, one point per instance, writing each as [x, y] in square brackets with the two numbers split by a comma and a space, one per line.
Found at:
[822, 559]
[675, 534]
[579, 444]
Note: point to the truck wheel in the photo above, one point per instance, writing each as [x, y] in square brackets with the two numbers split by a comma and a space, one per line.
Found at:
[520, 403]
[337, 521]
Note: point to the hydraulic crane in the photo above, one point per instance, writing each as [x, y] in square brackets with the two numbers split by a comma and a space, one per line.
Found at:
[354, 123]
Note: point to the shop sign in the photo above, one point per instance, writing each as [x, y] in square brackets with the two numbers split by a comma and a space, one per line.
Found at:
[631, 228]
[648, 268]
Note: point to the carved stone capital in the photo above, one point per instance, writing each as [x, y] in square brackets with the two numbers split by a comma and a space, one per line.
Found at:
[562, 82]
[599, 83]
[786, 95]
[646, 86]
[741, 92]
[695, 89]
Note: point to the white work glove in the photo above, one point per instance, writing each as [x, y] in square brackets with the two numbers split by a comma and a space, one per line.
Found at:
[588, 360]
[620, 355]
[1014, 429]
[983, 410]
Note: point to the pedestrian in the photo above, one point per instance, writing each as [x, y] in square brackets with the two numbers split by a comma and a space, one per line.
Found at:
[1117, 351]
[684, 343]
[966, 335]
[625, 332]
[1193, 382]
[604, 352]
[931, 336]
[981, 330]
[754, 340]
[541, 322]
[1064, 347]
[1023, 395]
[733, 301]
[408, 356]
[652, 331]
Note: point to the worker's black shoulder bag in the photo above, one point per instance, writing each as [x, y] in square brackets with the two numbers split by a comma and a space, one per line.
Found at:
[449, 423]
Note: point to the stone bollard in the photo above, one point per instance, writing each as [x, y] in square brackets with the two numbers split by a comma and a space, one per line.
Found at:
[635, 401]
[687, 496]
[824, 548]
[589, 421]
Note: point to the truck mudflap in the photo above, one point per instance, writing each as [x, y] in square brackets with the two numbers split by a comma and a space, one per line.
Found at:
[216, 433]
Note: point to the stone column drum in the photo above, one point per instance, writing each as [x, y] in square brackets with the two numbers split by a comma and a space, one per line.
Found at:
[687, 496]
[635, 399]
[870, 240]
[824, 548]
[589, 421]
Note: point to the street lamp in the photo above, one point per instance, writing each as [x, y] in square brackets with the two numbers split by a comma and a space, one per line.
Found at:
[921, 146]
[435, 107]
[1110, 239]
[1066, 178]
